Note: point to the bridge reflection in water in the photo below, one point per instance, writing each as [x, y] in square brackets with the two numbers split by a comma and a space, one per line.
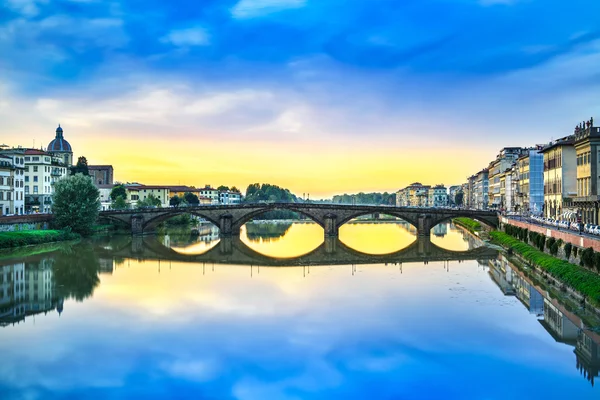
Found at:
[332, 251]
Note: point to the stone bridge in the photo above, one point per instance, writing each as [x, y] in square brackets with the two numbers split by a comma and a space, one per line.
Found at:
[230, 218]
[232, 251]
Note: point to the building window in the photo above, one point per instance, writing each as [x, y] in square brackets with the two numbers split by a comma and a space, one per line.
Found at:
[35, 169]
[35, 189]
[35, 178]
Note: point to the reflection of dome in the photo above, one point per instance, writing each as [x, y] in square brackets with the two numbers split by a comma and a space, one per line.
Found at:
[59, 144]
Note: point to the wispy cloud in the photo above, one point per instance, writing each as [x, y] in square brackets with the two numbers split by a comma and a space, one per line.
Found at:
[195, 36]
[257, 8]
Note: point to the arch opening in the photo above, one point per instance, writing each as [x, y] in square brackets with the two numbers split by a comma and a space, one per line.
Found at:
[281, 232]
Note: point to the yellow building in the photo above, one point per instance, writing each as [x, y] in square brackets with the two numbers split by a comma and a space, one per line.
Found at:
[138, 192]
[587, 148]
[560, 177]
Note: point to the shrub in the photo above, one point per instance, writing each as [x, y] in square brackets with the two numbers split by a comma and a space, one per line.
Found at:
[24, 238]
[587, 257]
[575, 249]
[568, 249]
[584, 281]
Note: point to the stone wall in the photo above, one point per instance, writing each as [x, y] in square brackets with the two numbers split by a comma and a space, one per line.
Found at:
[23, 227]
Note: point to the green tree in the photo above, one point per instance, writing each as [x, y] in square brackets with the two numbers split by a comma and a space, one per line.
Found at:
[119, 204]
[458, 199]
[76, 203]
[223, 188]
[191, 199]
[81, 167]
[75, 272]
[235, 189]
[118, 190]
[150, 201]
[175, 201]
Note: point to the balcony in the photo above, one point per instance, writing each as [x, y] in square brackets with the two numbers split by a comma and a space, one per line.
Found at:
[55, 172]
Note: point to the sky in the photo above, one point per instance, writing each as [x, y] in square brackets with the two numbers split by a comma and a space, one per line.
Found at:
[319, 96]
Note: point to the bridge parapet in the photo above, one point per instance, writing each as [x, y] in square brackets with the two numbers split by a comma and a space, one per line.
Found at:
[330, 217]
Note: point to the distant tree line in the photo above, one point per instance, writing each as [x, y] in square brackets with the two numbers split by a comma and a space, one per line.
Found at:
[265, 192]
[375, 198]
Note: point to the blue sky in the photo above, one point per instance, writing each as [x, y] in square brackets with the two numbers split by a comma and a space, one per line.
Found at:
[397, 76]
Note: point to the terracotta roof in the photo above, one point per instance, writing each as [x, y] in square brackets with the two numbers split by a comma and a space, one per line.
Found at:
[36, 152]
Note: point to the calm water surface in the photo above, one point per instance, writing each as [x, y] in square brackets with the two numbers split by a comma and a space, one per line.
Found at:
[116, 318]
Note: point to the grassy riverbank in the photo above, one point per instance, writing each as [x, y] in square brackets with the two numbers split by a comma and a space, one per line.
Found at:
[24, 238]
[468, 223]
[580, 279]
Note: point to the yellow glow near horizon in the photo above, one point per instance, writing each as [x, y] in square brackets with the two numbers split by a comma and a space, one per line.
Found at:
[382, 238]
[300, 239]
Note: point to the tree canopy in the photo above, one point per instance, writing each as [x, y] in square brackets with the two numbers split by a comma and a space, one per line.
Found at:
[191, 199]
[76, 203]
[366, 198]
[118, 190]
[223, 188]
[81, 167]
[265, 192]
[150, 201]
[119, 204]
[175, 201]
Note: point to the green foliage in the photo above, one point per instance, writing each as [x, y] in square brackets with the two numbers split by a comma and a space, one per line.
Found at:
[580, 279]
[366, 198]
[119, 204]
[75, 272]
[458, 199]
[223, 188]
[271, 193]
[568, 249]
[81, 167]
[270, 230]
[183, 219]
[24, 238]
[176, 201]
[235, 189]
[191, 199]
[150, 201]
[575, 250]
[587, 257]
[520, 233]
[470, 224]
[118, 190]
[75, 204]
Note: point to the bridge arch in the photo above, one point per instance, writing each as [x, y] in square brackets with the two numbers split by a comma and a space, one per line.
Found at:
[403, 216]
[251, 215]
[152, 223]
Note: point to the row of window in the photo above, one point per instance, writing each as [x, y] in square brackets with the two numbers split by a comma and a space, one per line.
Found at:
[8, 196]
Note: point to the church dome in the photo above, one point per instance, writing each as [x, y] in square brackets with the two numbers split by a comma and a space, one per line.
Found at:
[59, 144]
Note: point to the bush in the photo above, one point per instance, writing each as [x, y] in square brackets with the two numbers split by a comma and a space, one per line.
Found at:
[568, 249]
[24, 238]
[468, 223]
[575, 250]
[580, 279]
[587, 257]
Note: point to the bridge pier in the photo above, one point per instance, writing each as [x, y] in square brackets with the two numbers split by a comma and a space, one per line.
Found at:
[424, 225]
[227, 227]
[330, 226]
[331, 245]
[137, 224]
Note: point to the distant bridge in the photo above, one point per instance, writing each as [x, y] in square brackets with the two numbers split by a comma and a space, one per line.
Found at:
[230, 218]
[231, 250]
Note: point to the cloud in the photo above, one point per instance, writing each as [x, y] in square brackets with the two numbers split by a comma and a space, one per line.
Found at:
[187, 37]
[27, 8]
[257, 8]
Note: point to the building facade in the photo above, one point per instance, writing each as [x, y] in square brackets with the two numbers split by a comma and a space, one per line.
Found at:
[505, 159]
[587, 152]
[229, 197]
[101, 174]
[529, 180]
[560, 177]
[12, 183]
[480, 190]
[42, 171]
[210, 193]
[438, 196]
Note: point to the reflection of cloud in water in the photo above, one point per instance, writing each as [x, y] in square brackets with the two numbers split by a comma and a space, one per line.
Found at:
[377, 238]
[298, 239]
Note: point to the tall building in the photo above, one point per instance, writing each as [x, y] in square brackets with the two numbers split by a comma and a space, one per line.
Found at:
[560, 176]
[42, 171]
[504, 160]
[587, 150]
[101, 174]
[529, 181]
[480, 190]
[12, 178]
[414, 195]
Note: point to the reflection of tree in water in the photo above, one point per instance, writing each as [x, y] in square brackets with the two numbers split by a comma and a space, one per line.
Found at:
[76, 272]
[255, 232]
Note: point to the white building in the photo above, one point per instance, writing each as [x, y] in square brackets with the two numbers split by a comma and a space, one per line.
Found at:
[210, 193]
[12, 176]
[42, 171]
[228, 197]
[438, 196]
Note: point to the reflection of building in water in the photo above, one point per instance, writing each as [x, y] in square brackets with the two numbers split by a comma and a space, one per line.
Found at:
[563, 325]
[501, 274]
[106, 265]
[531, 298]
[558, 325]
[406, 226]
[210, 233]
[26, 289]
[440, 230]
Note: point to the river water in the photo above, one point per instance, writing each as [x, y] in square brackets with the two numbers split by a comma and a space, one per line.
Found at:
[281, 314]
